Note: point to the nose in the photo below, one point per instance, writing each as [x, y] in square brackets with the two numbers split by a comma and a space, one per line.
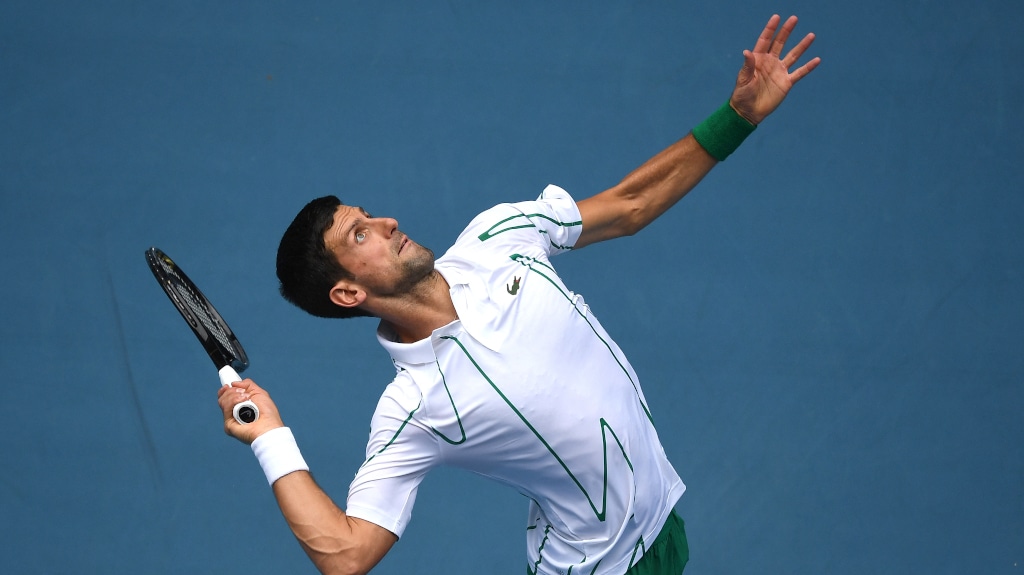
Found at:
[389, 225]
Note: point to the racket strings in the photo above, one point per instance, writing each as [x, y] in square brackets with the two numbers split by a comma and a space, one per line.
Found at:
[196, 303]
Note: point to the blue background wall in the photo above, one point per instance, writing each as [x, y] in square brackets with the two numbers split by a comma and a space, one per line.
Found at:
[829, 329]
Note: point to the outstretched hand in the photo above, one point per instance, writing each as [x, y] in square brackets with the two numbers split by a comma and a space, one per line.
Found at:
[765, 79]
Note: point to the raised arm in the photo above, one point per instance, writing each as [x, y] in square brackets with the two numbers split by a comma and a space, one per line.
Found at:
[761, 85]
[335, 542]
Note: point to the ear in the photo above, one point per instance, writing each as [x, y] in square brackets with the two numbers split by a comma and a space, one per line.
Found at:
[347, 294]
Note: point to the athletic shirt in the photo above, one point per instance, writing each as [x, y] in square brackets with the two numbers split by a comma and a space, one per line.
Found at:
[527, 389]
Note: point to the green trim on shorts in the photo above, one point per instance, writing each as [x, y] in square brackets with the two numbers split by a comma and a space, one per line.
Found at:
[666, 556]
[669, 552]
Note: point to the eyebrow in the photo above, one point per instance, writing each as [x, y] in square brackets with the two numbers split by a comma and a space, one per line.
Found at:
[355, 222]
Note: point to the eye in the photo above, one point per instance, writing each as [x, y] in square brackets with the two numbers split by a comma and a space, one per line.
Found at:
[360, 236]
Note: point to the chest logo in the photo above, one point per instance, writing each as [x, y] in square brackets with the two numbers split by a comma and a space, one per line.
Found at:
[514, 288]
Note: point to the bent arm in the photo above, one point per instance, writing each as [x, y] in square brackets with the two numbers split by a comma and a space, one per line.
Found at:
[335, 542]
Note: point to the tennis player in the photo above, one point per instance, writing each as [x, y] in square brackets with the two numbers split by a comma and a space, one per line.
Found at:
[501, 369]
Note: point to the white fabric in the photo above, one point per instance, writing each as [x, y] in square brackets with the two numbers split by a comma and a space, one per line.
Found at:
[278, 454]
[527, 389]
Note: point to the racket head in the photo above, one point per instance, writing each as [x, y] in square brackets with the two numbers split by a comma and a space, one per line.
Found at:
[210, 328]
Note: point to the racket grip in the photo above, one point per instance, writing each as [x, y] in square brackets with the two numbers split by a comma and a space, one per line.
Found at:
[245, 412]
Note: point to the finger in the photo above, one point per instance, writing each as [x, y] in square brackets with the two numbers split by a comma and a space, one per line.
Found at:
[804, 70]
[780, 40]
[228, 397]
[765, 39]
[747, 71]
[247, 385]
[794, 55]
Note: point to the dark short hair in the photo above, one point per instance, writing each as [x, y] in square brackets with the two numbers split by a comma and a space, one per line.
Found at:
[306, 269]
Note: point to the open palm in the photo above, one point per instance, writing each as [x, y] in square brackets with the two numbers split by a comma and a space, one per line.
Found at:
[765, 79]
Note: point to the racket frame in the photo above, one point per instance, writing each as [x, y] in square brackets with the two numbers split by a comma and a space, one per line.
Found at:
[215, 335]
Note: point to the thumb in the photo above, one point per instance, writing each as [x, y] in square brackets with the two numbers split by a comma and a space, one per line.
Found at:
[746, 74]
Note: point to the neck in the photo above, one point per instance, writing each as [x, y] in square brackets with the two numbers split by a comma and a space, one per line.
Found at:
[416, 314]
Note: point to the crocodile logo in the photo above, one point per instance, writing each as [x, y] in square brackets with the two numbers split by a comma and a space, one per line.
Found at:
[514, 288]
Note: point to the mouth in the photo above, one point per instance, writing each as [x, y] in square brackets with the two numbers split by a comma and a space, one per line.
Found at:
[402, 243]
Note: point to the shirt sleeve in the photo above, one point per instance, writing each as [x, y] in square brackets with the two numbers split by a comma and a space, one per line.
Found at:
[552, 222]
[399, 453]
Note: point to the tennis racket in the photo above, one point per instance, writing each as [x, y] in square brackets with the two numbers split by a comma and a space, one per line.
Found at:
[213, 332]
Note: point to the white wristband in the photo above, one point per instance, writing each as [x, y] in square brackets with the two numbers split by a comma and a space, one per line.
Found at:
[278, 454]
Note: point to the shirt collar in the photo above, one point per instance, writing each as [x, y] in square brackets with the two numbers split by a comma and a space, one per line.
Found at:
[415, 353]
[422, 351]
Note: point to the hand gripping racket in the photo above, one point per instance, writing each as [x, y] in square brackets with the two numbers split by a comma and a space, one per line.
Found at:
[213, 332]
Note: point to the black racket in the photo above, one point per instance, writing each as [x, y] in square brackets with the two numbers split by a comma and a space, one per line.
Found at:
[211, 329]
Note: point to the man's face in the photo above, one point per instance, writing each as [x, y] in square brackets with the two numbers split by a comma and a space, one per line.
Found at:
[384, 261]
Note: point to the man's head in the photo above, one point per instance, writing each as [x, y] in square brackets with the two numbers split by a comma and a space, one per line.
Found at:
[333, 257]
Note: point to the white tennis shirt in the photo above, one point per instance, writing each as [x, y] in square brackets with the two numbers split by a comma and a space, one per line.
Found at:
[525, 388]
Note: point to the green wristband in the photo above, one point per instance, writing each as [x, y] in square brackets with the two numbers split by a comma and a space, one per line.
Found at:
[722, 132]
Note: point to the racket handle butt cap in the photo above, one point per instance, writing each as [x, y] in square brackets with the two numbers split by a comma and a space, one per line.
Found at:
[245, 412]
